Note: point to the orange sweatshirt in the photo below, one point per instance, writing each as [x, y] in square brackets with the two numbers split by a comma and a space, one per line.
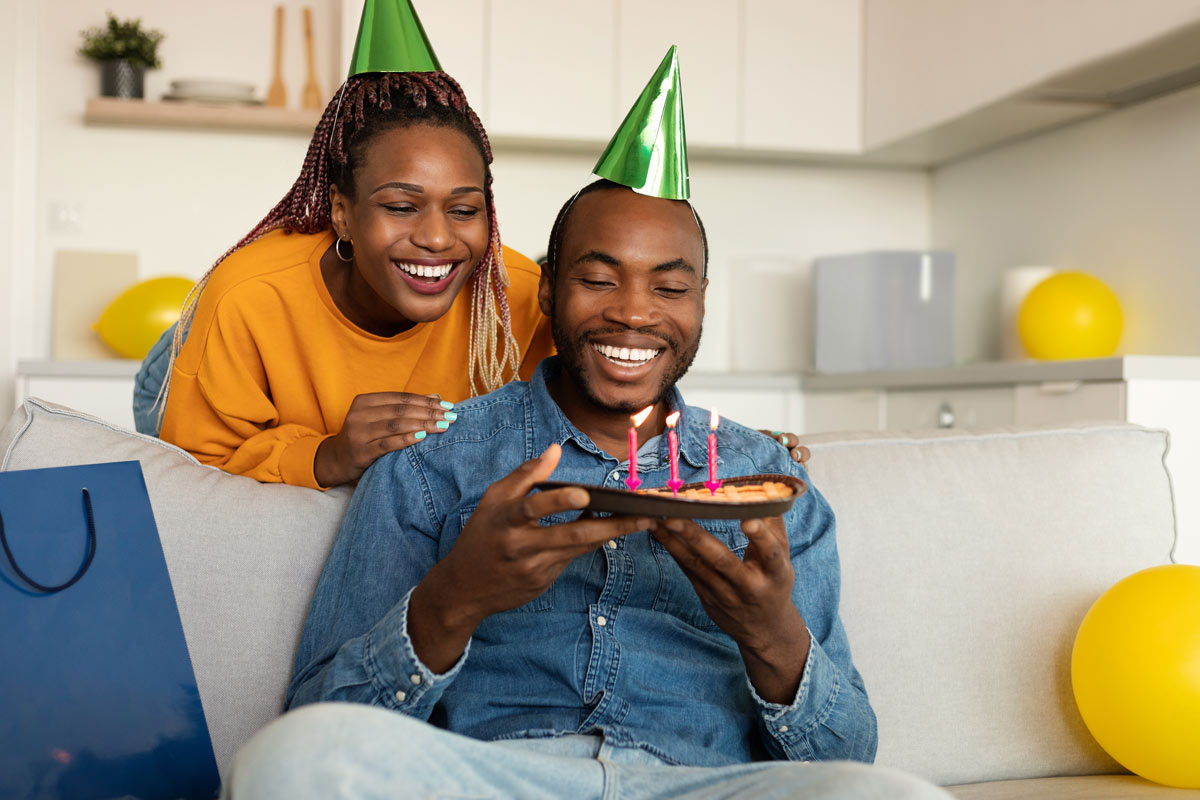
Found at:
[271, 365]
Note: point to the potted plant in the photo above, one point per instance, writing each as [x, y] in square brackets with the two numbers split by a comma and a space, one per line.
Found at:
[125, 51]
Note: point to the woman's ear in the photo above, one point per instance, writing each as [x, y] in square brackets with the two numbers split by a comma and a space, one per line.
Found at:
[339, 210]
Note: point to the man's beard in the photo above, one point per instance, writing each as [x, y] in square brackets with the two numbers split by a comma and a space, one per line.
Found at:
[571, 356]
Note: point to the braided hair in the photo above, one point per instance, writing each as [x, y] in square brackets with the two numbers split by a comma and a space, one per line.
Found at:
[365, 106]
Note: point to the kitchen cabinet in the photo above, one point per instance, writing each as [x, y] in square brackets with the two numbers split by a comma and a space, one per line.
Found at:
[709, 61]
[102, 389]
[551, 69]
[802, 88]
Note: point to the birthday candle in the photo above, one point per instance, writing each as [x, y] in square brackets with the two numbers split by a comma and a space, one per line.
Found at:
[713, 421]
[637, 419]
[673, 450]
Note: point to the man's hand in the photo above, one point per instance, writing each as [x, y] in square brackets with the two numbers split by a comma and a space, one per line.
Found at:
[377, 423]
[503, 559]
[748, 598]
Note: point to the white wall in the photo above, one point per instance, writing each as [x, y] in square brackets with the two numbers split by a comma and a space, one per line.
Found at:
[179, 198]
[931, 60]
[18, 241]
[1117, 196]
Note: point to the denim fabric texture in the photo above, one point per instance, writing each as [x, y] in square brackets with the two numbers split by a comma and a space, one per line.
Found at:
[150, 378]
[618, 646]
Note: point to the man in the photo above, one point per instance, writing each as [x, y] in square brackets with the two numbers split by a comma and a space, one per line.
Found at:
[492, 641]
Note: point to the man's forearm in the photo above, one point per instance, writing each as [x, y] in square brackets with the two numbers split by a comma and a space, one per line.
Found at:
[775, 665]
[437, 627]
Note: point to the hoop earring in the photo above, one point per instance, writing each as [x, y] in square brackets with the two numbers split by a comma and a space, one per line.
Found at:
[337, 248]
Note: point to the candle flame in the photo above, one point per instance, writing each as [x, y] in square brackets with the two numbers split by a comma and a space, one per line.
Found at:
[672, 418]
[714, 419]
[640, 417]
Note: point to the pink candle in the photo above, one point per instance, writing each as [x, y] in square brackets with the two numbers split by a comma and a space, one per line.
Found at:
[673, 450]
[713, 484]
[637, 419]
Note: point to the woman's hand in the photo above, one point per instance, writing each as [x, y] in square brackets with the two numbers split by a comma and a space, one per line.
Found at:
[800, 453]
[378, 423]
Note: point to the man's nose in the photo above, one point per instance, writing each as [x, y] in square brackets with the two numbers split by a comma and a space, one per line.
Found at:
[632, 305]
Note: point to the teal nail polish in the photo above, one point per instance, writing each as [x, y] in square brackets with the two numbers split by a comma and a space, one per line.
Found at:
[777, 433]
[447, 404]
[420, 435]
[450, 415]
[443, 424]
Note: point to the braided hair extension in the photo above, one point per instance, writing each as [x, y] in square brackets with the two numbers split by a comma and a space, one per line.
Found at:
[364, 106]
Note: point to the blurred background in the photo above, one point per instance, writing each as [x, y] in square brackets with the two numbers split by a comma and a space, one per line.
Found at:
[1007, 133]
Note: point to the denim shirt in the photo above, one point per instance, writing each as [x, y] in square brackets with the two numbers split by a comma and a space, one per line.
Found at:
[618, 646]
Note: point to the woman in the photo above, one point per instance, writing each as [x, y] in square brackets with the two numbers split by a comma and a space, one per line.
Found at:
[351, 288]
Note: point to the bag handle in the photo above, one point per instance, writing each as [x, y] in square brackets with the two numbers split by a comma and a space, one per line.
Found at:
[91, 526]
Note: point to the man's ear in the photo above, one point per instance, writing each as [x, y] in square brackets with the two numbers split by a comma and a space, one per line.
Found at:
[546, 290]
[339, 210]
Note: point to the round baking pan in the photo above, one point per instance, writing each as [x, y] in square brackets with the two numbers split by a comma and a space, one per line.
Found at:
[625, 502]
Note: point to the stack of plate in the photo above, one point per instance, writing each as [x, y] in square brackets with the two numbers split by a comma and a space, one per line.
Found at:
[212, 91]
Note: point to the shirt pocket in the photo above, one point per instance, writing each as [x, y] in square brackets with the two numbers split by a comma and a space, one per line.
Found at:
[544, 601]
[676, 595]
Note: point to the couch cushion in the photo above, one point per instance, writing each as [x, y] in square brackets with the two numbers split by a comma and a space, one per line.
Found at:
[1090, 787]
[244, 557]
[968, 561]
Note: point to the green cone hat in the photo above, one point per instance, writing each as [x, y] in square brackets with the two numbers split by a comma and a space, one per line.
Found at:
[391, 39]
[648, 153]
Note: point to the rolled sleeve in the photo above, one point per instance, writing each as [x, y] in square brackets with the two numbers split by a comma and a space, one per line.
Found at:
[819, 716]
[402, 681]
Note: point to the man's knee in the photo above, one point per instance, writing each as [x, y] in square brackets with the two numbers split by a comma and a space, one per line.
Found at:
[852, 779]
[306, 751]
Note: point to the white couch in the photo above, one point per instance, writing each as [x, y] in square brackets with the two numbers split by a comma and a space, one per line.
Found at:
[968, 561]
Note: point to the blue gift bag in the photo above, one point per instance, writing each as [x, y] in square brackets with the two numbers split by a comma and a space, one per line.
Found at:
[97, 694]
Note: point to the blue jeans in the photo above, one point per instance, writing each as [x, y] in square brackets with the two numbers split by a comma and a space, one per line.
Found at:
[348, 750]
[149, 381]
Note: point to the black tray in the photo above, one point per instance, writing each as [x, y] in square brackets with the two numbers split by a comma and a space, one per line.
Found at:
[627, 503]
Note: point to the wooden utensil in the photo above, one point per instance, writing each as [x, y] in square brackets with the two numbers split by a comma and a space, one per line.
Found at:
[312, 97]
[277, 94]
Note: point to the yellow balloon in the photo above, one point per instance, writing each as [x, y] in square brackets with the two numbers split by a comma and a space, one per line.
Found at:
[1135, 670]
[133, 321]
[1070, 315]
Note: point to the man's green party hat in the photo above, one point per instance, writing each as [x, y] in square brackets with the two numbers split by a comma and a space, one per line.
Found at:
[648, 153]
[391, 39]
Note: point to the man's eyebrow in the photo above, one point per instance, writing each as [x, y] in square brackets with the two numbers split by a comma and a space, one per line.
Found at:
[416, 188]
[599, 255]
[676, 264]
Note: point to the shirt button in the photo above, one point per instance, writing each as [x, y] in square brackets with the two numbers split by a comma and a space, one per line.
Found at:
[612, 544]
[601, 621]
[616, 476]
[416, 679]
[401, 697]
[783, 728]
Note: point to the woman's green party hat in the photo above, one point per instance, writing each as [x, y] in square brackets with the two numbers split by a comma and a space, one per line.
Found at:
[391, 39]
[648, 153]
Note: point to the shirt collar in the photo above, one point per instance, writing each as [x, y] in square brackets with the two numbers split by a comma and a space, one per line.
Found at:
[546, 424]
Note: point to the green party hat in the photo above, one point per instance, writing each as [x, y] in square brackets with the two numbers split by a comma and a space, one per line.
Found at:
[648, 153]
[391, 39]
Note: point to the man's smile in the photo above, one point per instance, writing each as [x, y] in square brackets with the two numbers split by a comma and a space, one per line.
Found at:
[628, 357]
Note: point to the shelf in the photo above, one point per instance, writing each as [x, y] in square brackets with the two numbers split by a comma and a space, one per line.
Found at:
[113, 111]
[211, 116]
